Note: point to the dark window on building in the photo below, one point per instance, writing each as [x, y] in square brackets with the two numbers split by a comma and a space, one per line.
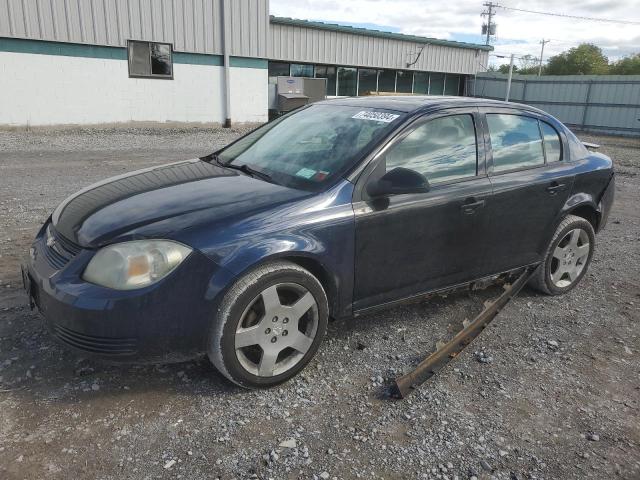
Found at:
[328, 72]
[452, 84]
[278, 69]
[421, 83]
[437, 84]
[367, 81]
[347, 81]
[301, 70]
[387, 81]
[404, 82]
[552, 144]
[515, 141]
[150, 59]
[442, 149]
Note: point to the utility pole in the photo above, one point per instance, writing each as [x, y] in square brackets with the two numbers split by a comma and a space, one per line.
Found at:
[490, 27]
[543, 41]
[506, 97]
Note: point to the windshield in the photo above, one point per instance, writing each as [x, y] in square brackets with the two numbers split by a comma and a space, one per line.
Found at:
[310, 147]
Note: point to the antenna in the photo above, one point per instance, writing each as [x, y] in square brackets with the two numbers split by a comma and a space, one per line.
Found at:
[489, 28]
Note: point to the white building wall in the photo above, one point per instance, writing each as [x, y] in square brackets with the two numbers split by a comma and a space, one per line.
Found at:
[45, 90]
[249, 95]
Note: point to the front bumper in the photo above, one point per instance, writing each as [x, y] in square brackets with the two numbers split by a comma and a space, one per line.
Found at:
[167, 321]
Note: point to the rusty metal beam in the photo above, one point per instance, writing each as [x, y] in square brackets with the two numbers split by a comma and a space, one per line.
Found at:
[440, 358]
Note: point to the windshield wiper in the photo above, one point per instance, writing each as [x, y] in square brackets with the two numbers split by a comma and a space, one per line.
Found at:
[249, 171]
[216, 158]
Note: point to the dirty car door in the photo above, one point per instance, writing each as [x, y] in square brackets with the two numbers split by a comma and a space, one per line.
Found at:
[531, 181]
[407, 244]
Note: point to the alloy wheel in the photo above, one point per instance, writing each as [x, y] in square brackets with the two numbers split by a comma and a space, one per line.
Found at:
[276, 330]
[570, 257]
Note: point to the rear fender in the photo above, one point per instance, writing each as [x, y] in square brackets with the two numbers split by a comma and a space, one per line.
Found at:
[573, 203]
[606, 202]
[580, 201]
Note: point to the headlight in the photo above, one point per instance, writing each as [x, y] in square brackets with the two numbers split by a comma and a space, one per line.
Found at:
[130, 265]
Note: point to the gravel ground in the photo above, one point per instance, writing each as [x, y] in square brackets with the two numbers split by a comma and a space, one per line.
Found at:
[550, 390]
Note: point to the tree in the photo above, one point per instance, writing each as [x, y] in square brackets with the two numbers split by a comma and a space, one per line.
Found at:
[531, 70]
[585, 59]
[504, 68]
[528, 65]
[626, 66]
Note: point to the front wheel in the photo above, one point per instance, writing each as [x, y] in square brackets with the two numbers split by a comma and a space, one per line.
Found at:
[269, 325]
[567, 258]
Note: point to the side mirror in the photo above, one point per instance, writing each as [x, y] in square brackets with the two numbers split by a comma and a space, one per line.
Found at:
[397, 182]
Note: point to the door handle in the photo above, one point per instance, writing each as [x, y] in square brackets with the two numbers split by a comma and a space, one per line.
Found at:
[555, 187]
[471, 207]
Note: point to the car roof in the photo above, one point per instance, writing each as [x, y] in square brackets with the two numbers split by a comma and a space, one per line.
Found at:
[414, 103]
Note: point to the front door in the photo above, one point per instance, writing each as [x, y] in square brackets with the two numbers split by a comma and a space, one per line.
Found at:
[412, 243]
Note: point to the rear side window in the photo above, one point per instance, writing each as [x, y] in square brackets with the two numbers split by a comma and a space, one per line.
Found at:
[552, 144]
[515, 141]
[576, 147]
[442, 149]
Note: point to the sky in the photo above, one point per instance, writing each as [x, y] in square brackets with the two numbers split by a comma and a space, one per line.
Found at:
[517, 32]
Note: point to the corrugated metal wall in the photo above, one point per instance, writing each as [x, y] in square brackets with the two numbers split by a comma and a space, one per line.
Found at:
[195, 26]
[605, 103]
[311, 45]
[191, 25]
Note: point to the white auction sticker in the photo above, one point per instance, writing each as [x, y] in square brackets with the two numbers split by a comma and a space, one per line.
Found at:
[376, 116]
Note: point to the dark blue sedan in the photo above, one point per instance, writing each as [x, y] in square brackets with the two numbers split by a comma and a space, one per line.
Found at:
[337, 209]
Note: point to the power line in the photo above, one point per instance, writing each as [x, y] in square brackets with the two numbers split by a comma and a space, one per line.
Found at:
[507, 55]
[570, 42]
[578, 17]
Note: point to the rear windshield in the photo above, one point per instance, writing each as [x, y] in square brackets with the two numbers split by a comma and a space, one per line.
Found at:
[311, 147]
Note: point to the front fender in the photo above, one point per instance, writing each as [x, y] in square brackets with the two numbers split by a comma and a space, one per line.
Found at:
[329, 245]
[319, 232]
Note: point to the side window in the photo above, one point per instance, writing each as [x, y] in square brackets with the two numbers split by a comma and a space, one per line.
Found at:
[552, 144]
[442, 149]
[576, 147]
[515, 141]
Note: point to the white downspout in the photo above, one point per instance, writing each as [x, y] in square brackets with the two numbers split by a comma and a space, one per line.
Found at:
[226, 44]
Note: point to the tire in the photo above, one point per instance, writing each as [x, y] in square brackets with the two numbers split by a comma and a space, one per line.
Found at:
[567, 258]
[260, 315]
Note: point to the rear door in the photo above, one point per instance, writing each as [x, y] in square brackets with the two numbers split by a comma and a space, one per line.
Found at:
[412, 243]
[531, 182]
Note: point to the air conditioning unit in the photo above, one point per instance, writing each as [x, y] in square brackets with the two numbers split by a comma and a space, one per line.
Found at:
[295, 92]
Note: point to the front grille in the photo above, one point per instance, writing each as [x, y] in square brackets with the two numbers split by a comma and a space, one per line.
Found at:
[57, 249]
[93, 344]
[70, 248]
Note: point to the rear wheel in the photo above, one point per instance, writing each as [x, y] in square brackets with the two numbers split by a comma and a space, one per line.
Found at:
[270, 325]
[567, 258]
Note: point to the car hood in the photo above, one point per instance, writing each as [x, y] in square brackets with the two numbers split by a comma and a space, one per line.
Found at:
[119, 205]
